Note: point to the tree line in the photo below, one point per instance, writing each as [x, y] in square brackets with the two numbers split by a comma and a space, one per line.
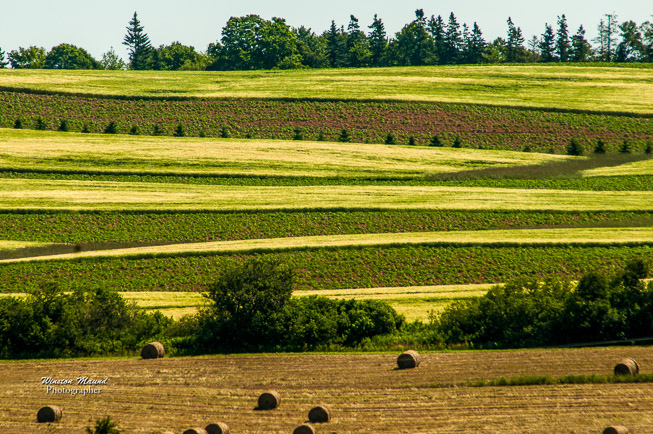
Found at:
[251, 42]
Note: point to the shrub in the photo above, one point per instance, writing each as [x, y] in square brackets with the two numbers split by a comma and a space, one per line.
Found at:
[224, 133]
[86, 129]
[600, 147]
[63, 126]
[18, 124]
[575, 148]
[435, 141]
[133, 130]
[40, 124]
[390, 139]
[457, 143]
[320, 137]
[625, 147]
[179, 131]
[344, 136]
[649, 148]
[112, 128]
[103, 426]
[157, 131]
[297, 134]
[411, 141]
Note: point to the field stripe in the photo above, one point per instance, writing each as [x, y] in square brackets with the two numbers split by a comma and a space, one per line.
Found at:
[17, 194]
[514, 236]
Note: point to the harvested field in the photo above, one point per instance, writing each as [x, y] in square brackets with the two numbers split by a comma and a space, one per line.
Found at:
[364, 391]
[35, 194]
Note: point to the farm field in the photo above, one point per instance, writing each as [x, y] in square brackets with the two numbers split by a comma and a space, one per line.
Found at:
[588, 236]
[365, 392]
[575, 87]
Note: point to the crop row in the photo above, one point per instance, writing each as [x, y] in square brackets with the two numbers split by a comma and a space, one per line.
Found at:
[597, 183]
[73, 227]
[333, 268]
[473, 125]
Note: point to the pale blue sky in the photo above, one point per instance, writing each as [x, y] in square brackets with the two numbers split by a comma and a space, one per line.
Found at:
[97, 26]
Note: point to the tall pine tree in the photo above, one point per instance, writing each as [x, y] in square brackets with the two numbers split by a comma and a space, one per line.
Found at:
[336, 46]
[562, 41]
[581, 50]
[452, 41]
[437, 30]
[515, 43]
[140, 47]
[474, 46]
[547, 45]
[3, 62]
[378, 42]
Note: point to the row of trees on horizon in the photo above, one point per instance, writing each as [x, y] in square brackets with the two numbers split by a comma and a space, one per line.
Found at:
[251, 42]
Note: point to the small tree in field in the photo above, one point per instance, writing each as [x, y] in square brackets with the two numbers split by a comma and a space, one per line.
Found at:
[435, 141]
[575, 148]
[390, 139]
[245, 302]
[344, 136]
[457, 143]
[600, 147]
[625, 147]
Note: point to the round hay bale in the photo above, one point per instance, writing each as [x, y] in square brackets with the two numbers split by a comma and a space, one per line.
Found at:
[153, 350]
[320, 414]
[626, 367]
[408, 359]
[50, 413]
[195, 431]
[617, 429]
[269, 400]
[217, 428]
[304, 429]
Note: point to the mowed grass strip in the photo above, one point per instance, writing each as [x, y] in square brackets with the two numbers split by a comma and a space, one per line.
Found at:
[622, 89]
[635, 168]
[8, 245]
[17, 194]
[622, 235]
[148, 155]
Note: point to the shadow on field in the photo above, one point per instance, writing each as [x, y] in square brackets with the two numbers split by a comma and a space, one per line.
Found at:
[60, 249]
[555, 169]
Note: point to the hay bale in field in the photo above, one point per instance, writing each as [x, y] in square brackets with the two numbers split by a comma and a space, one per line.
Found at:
[269, 400]
[217, 428]
[195, 431]
[320, 414]
[617, 429]
[304, 429]
[408, 359]
[153, 350]
[50, 413]
[626, 367]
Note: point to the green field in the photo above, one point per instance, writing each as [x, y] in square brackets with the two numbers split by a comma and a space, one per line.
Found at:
[161, 216]
[617, 89]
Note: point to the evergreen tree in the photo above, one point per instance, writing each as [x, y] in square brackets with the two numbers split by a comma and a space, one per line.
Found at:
[413, 45]
[546, 45]
[437, 30]
[474, 44]
[139, 45]
[515, 43]
[580, 48]
[336, 46]
[358, 51]
[378, 42]
[575, 148]
[600, 147]
[452, 42]
[562, 40]
[606, 39]
[311, 48]
[111, 61]
[3, 62]
[647, 31]
[631, 48]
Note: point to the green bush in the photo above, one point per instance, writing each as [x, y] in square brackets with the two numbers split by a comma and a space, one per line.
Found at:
[51, 323]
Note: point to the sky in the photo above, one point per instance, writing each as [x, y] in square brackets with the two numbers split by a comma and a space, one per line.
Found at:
[99, 25]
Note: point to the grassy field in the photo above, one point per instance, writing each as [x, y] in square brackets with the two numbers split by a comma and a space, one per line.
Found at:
[590, 236]
[365, 392]
[621, 89]
[45, 151]
[35, 194]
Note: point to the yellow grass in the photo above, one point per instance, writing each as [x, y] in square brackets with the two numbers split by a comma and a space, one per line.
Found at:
[643, 167]
[568, 86]
[108, 195]
[513, 236]
[23, 149]
[15, 245]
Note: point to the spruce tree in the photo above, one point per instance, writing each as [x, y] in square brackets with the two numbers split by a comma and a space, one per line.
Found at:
[515, 43]
[600, 147]
[575, 148]
[336, 49]
[378, 42]
[437, 29]
[546, 45]
[581, 50]
[562, 41]
[452, 41]
[139, 45]
[3, 62]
